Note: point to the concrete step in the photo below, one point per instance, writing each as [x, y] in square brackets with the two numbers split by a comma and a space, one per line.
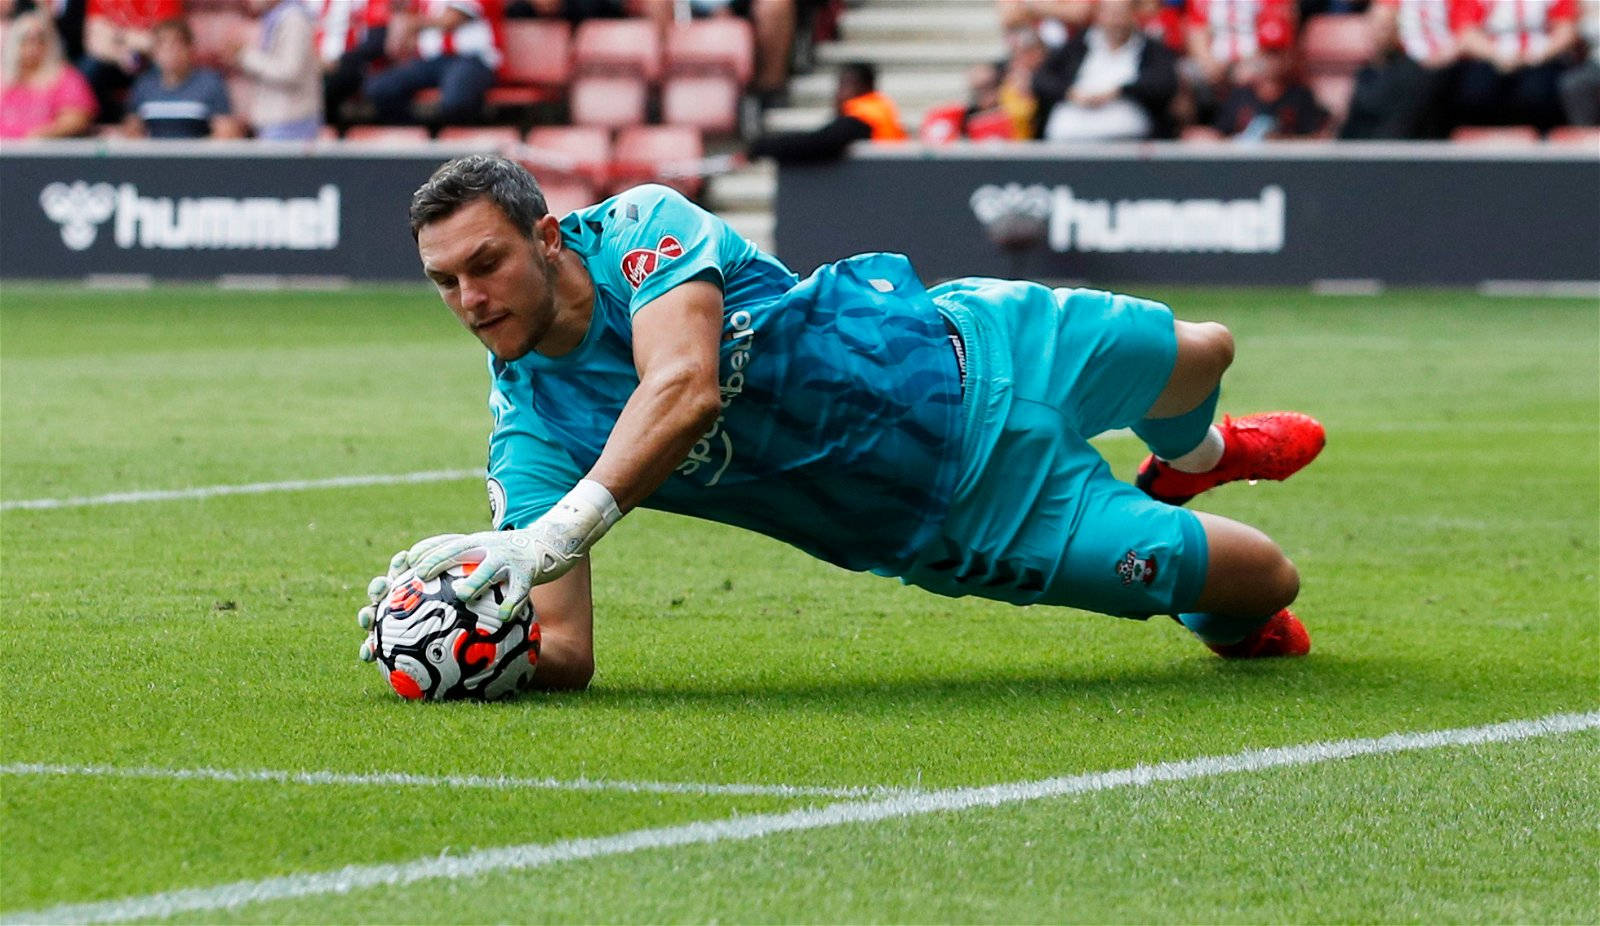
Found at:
[911, 56]
[759, 226]
[749, 189]
[934, 21]
[817, 89]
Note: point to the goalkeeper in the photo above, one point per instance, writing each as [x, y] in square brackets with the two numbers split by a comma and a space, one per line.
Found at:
[642, 353]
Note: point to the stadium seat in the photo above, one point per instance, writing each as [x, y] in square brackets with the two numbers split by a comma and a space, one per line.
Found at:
[568, 152]
[387, 136]
[668, 154]
[538, 56]
[487, 138]
[710, 103]
[991, 126]
[1583, 135]
[610, 102]
[563, 196]
[1201, 134]
[215, 32]
[1502, 135]
[1335, 43]
[618, 46]
[1333, 91]
[721, 45]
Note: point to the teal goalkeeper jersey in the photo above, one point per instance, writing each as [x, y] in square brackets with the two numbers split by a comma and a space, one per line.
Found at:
[841, 397]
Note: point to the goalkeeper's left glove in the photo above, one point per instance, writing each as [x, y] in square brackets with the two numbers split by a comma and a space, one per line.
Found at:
[542, 551]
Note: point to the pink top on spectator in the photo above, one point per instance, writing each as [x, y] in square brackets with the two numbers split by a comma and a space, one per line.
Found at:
[24, 108]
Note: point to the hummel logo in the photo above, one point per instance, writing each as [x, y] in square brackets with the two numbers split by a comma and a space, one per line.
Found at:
[78, 208]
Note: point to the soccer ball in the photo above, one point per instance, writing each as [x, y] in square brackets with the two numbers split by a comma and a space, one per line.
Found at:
[430, 644]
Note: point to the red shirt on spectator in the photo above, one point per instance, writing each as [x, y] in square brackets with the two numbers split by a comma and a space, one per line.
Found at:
[1519, 27]
[341, 24]
[134, 14]
[1427, 28]
[1240, 28]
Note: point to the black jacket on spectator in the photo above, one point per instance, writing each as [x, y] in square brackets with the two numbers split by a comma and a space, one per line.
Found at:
[1295, 113]
[1154, 88]
[1395, 97]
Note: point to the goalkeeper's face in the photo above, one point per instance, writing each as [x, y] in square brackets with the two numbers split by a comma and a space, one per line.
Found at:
[497, 281]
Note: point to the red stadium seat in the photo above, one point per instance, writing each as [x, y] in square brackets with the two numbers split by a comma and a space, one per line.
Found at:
[487, 138]
[721, 45]
[669, 154]
[1581, 135]
[567, 152]
[1336, 43]
[538, 62]
[387, 136]
[1501, 135]
[610, 102]
[563, 196]
[710, 104]
[1333, 91]
[618, 46]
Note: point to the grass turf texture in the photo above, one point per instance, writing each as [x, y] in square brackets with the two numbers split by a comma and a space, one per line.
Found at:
[1447, 539]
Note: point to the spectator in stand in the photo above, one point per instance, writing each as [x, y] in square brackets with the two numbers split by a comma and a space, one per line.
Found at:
[1055, 21]
[1014, 92]
[1401, 92]
[118, 39]
[286, 104]
[1511, 69]
[457, 47]
[1269, 102]
[41, 96]
[350, 40]
[1110, 83]
[1580, 87]
[67, 15]
[1223, 34]
[175, 99]
[862, 113]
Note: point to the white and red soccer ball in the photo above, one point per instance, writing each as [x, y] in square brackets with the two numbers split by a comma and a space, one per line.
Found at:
[430, 644]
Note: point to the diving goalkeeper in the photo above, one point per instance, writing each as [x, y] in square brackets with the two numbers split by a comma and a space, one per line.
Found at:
[642, 353]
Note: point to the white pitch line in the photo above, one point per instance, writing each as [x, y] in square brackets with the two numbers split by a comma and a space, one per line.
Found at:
[389, 779]
[738, 828]
[254, 488]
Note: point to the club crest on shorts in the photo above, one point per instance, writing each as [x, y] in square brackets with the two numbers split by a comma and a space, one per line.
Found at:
[1134, 568]
[641, 262]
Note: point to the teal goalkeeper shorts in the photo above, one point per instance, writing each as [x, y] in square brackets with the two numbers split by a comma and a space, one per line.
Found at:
[1037, 517]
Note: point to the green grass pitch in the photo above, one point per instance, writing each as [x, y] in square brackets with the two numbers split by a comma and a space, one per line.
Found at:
[1449, 540]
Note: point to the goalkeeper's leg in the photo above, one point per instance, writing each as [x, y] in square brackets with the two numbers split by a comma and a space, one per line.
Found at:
[1190, 454]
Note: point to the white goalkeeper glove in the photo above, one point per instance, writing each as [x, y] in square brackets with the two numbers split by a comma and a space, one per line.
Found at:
[542, 551]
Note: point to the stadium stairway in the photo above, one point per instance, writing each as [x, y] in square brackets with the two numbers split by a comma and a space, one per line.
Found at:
[923, 50]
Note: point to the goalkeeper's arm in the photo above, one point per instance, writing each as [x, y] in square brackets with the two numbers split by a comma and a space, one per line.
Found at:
[676, 341]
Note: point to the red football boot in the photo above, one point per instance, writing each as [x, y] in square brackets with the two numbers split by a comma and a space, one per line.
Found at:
[1281, 635]
[1270, 445]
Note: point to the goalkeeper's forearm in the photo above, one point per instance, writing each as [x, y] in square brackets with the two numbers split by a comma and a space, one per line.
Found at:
[655, 432]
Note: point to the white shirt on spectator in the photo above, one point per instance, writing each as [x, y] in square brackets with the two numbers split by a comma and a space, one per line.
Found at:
[1104, 70]
[475, 37]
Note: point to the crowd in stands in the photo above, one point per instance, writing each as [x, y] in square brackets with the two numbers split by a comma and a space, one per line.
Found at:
[1081, 70]
[593, 77]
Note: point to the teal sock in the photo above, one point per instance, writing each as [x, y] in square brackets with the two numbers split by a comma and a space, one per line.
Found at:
[1221, 629]
[1169, 438]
